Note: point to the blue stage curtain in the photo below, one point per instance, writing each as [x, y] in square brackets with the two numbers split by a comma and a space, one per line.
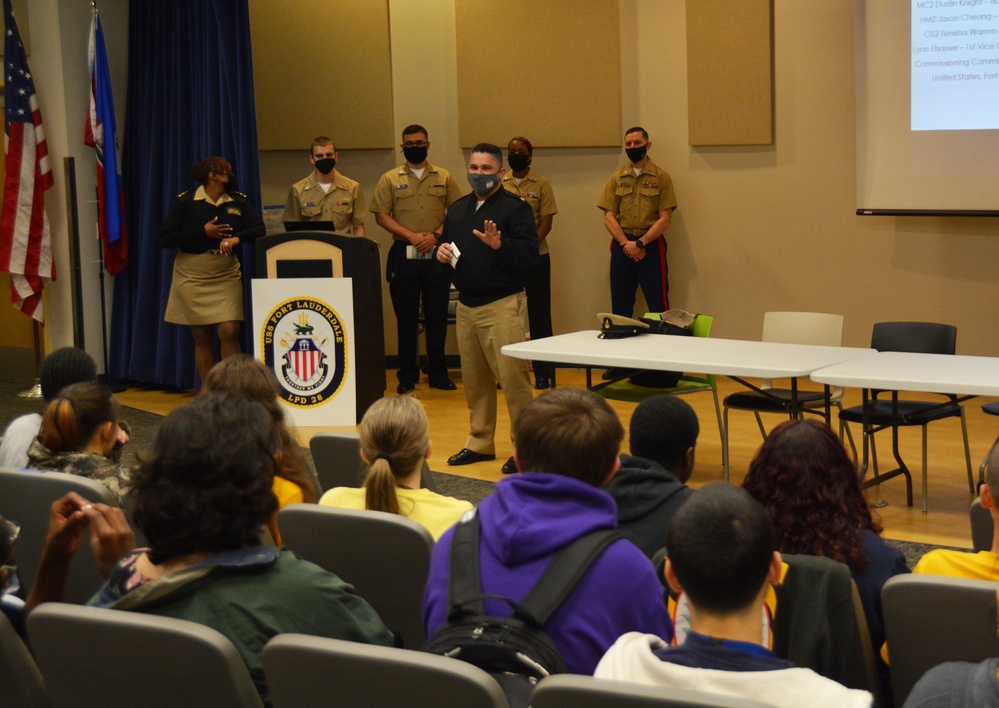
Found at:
[190, 96]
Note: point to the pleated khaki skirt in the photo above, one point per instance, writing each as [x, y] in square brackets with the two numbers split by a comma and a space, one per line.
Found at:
[206, 289]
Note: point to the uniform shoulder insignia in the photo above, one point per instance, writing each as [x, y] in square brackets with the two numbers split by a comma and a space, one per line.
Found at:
[183, 194]
[238, 194]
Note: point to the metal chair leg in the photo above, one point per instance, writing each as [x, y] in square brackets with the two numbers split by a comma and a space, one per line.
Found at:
[722, 431]
[925, 506]
[759, 424]
[725, 452]
[967, 452]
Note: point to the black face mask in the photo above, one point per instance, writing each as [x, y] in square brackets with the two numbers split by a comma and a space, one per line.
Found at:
[232, 185]
[636, 154]
[518, 162]
[326, 164]
[415, 155]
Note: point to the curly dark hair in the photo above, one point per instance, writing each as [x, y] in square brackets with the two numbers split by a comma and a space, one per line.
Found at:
[244, 376]
[809, 485]
[206, 487]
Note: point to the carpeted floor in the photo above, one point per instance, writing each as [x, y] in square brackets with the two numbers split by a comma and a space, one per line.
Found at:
[144, 426]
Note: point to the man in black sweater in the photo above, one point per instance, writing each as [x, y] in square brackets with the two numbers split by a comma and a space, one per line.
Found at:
[490, 240]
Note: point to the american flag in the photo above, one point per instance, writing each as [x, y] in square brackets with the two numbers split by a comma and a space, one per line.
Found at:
[25, 242]
[100, 135]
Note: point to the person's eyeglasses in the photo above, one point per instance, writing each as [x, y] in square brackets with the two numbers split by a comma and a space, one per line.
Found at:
[417, 144]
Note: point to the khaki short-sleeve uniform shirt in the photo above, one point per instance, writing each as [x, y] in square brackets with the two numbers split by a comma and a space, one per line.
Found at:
[343, 204]
[418, 204]
[638, 199]
[536, 191]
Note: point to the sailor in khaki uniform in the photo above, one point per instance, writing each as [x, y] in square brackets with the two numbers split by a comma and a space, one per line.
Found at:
[638, 205]
[410, 202]
[534, 189]
[326, 195]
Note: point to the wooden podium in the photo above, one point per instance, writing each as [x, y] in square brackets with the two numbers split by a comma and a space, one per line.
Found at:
[326, 254]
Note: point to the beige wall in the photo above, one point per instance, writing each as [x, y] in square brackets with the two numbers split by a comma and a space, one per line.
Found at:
[758, 228]
[768, 228]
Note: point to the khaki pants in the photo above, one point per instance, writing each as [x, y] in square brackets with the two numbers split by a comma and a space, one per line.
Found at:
[481, 332]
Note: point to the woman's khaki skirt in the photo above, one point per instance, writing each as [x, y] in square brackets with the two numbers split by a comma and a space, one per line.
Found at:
[206, 289]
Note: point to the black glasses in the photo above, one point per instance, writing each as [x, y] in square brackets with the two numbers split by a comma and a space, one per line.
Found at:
[417, 144]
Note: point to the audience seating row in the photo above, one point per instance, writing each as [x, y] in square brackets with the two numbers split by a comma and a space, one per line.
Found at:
[111, 658]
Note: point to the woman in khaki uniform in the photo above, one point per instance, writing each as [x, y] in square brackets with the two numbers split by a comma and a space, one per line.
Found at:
[207, 290]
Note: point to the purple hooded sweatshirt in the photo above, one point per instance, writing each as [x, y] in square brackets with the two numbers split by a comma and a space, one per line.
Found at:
[525, 522]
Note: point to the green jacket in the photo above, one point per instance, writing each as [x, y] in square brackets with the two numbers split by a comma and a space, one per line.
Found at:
[249, 596]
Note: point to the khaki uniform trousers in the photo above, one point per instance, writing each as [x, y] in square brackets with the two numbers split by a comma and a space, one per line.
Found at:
[481, 332]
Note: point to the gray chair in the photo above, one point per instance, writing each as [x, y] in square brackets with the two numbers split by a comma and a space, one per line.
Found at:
[26, 497]
[337, 457]
[816, 328]
[312, 671]
[981, 526]
[877, 415]
[574, 691]
[111, 658]
[385, 557]
[930, 619]
[22, 683]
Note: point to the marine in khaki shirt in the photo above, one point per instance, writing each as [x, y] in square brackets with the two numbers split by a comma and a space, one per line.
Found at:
[638, 204]
[326, 195]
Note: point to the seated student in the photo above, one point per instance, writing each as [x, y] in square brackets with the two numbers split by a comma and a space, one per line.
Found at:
[567, 446]
[650, 486]
[80, 431]
[983, 565]
[957, 684]
[395, 441]
[61, 368]
[723, 557]
[807, 482]
[242, 375]
[201, 497]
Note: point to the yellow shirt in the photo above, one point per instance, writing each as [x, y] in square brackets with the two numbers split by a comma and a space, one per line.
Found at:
[418, 204]
[983, 565]
[286, 493]
[435, 511]
[637, 200]
[536, 191]
[343, 204]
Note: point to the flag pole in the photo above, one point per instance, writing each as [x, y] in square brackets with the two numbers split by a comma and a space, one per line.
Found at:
[36, 390]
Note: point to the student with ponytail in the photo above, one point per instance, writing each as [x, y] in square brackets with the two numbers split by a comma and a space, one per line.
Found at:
[81, 434]
[395, 441]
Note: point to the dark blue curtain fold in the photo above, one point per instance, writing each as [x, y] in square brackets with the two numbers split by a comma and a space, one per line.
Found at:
[190, 95]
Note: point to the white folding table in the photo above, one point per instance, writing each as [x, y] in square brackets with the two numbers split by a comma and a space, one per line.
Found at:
[734, 358]
[959, 375]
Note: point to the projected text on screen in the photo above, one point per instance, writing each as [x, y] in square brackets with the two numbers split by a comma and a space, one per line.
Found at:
[955, 64]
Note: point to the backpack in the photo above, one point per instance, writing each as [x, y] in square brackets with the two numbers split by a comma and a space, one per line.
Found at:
[515, 650]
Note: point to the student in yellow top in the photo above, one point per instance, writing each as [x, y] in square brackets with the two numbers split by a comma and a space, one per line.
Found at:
[395, 441]
[536, 190]
[248, 378]
[983, 565]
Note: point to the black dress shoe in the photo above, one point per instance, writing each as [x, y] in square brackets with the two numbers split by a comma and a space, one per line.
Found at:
[509, 467]
[405, 387]
[616, 372]
[542, 384]
[444, 384]
[467, 457]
